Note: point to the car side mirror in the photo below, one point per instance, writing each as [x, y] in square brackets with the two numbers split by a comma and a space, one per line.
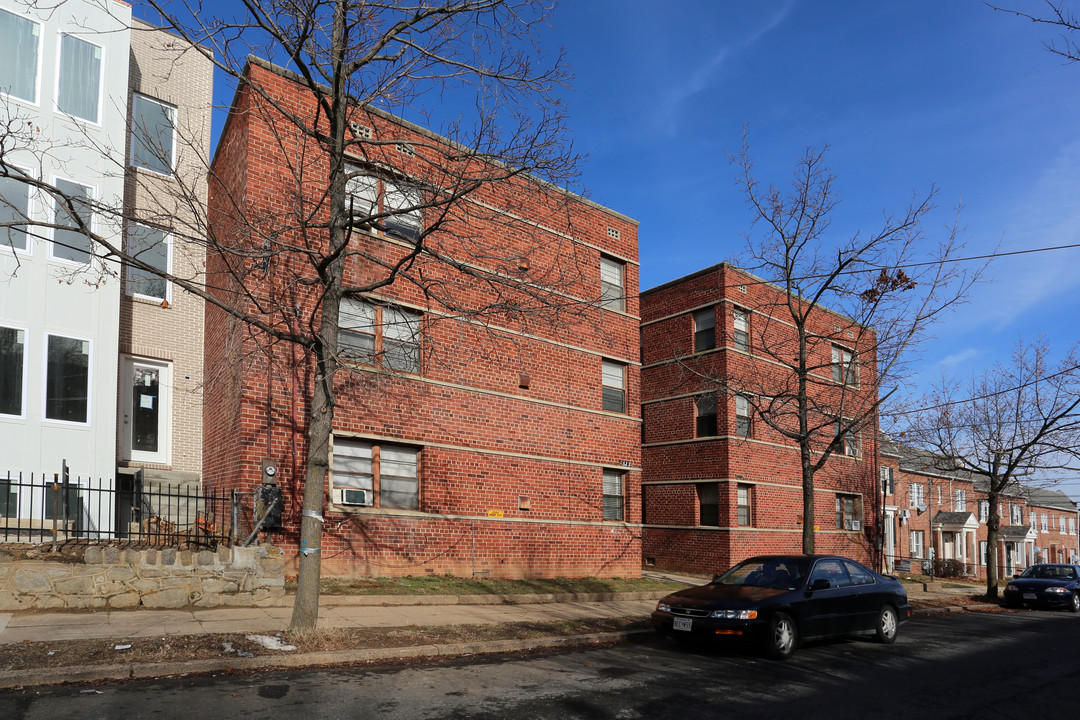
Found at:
[820, 584]
[1016, 576]
[715, 578]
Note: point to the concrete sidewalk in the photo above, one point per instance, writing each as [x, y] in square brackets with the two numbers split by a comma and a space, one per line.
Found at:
[127, 624]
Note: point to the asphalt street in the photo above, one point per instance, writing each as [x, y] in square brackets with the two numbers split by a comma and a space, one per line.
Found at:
[962, 665]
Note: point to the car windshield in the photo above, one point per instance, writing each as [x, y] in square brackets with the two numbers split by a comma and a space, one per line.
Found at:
[1050, 572]
[771, 572]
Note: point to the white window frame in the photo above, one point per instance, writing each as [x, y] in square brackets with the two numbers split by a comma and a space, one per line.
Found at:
[984, 511]
[24, 397]
[610, 475]
[89, 381]
[101, 79]
[742, 414]
[130, 284]
[165, 407]
[1016, 514]
[959, 500]
[888, 481]
[35, 101]
[30, 207]
[850, 445]
[744, 498]
[917, 544]
[56, 208]
[1072, 525]
[845, 368]
[378, 331]
[613, 377]
[916, 494]
[136, 97]
[740, 323]
[612, 302]
[983, 550]
[1045, 523]
[377, 475]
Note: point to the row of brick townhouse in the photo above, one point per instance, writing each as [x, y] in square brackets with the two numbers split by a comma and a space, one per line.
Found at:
[930, 515]
[496, 447]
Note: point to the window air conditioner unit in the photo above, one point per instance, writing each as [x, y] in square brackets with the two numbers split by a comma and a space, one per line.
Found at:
[852, 525]
[350, 496]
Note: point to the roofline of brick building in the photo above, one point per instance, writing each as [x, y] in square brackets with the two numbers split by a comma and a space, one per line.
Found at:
[297, 78]
[747, 273]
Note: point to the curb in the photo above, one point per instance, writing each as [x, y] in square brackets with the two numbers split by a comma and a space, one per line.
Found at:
[17, 679]
[522, 599]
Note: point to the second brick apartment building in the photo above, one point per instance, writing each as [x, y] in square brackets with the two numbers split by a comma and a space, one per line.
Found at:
[718, 484]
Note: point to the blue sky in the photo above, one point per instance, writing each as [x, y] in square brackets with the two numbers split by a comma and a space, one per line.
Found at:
[907, 93]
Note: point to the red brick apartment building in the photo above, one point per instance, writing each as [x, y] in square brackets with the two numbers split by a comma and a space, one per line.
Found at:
[492, 446]
[932, 514]
[718, 485]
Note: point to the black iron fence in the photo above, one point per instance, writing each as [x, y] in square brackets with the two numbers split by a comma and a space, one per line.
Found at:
[38, 508]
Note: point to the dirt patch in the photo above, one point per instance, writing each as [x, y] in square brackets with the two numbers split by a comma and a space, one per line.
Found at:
[179, 648]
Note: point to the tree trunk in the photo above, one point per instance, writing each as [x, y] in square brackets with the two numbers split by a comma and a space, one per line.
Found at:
[992, 525]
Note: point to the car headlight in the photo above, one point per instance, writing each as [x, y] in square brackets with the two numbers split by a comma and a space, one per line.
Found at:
[1056, 589]
[663, 607]
[735, 614]
[1012, 588]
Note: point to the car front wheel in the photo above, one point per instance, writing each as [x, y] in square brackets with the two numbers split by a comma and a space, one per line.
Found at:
[783, 637]
[1074, 606]
[887, 625]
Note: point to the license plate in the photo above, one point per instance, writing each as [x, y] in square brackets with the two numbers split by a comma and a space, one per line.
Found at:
[1029, 596]
[683, 623]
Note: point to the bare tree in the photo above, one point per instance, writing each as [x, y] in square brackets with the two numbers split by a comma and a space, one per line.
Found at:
[1017, 422]
[283, 272]
[850, 314]
[1064, 20]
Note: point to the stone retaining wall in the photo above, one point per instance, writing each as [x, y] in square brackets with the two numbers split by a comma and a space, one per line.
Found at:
[115, 578]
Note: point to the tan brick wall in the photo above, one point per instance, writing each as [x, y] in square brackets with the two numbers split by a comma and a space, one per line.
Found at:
[166, 69]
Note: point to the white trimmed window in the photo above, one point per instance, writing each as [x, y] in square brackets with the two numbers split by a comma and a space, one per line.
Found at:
[742, 416]
[20, 46]
[12, 371]
[614, 499]
[69, 242]
[399, 201]
[1072, 525]
[741, 326]
[844, 369]
[153, 134]
[67, 379]
[917, 491]
[1061, 524]
[888, 486]
[613, 390]
[1045, 523]
[369, 332]
[917, 543]
[612, 283]
[78, 90]
[153, 247]
[14, 208]
[850, 445]
[1016, 514]
[744, 509]
[982, 552]
[959, 500]
[984, 511]
[372, 474]
[704, 329]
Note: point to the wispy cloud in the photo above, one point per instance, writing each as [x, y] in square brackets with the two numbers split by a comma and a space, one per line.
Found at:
[959, 358]
[700, 77]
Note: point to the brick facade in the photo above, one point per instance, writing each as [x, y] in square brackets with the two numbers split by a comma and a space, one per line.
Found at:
[691, 483]
[932, 514]
[505, 415]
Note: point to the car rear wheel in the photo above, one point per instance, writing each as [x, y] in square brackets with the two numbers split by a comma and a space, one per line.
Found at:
[783, 637]
[1074, 605]
[887, 625]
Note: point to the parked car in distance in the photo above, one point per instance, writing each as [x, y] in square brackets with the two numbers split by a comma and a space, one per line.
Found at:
[778, 601]
[1045, 585]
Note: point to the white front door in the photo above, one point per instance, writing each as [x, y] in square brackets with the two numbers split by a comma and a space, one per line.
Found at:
[890, 540]
[145, 410]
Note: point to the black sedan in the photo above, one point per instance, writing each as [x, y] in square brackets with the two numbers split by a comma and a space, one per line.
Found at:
[1046, 586]
[780, 600]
